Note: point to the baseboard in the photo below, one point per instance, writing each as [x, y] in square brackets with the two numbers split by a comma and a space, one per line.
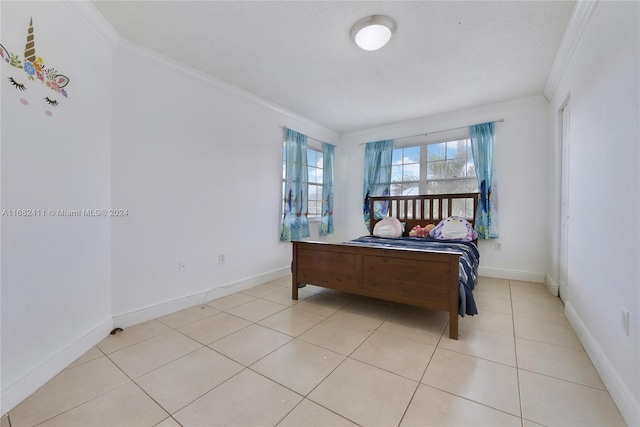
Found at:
[23, 388]
[620, 393]
[552, 286]
[125, 320]
[501, 273]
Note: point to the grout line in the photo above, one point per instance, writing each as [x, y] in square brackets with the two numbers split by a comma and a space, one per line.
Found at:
[424, 371]
[564, 380]
[151, 397]
[474, 401]
[206, 392]
[515, 350]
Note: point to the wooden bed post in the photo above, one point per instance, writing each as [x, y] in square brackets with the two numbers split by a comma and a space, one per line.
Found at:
[454, 296]
[294, 272]
[371, 219]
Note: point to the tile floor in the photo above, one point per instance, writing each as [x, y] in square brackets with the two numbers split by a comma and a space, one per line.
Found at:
[333, 359]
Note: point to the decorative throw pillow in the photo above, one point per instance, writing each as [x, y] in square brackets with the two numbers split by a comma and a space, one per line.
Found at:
[388, 227]
[454, 228]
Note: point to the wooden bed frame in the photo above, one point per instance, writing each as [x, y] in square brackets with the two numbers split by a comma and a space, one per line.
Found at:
[424, 279]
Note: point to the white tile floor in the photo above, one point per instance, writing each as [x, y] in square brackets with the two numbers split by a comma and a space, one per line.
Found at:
[333, 359]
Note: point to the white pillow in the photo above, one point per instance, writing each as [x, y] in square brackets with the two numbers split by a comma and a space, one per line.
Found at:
[454, 228]
[388, 227]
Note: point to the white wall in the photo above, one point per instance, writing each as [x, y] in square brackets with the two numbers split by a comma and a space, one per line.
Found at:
[198, 166]
[521, 153]
[56, 271]
[602, 82]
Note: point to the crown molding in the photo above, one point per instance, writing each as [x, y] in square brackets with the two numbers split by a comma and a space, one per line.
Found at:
[158, 59]
[94, 21]
[101, 27]
[577, 24]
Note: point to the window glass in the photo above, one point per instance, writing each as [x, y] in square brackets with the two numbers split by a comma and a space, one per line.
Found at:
[436, 151]
[284, 162]
[438, 168]
[314, 167]
[405, 171]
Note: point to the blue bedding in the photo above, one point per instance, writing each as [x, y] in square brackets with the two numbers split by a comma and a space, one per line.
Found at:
[469, 260]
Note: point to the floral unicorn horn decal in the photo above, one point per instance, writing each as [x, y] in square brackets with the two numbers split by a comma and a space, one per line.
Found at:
[34, 67]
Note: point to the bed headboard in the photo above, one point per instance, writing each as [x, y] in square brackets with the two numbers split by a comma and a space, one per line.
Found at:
[424, 209]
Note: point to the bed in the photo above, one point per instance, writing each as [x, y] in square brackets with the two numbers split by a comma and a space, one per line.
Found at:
[424, 272]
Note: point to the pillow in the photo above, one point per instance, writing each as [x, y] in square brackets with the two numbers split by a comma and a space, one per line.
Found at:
[454, 228]
[388, 227]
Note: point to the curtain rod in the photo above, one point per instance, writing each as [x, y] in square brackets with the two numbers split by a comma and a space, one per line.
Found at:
[308, 137]
[437, 131]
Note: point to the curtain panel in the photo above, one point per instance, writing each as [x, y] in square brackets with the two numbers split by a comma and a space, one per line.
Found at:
[326, 222]
[377, 176]
[482, 146]
[295, 225]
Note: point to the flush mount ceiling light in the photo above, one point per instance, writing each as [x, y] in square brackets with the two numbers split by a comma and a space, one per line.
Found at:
[373, 32]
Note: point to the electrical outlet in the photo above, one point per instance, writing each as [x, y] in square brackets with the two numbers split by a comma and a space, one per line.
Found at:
[498, 246]
[221, 258]
[182, 266]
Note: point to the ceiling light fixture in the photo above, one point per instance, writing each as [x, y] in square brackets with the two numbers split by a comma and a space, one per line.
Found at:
[373, 32]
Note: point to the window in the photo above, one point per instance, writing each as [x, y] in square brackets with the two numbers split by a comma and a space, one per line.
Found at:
[314, 167]
[435, 168]
[405, 171]
[315, 174]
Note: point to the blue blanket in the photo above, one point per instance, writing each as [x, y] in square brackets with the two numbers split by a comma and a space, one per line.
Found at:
[469, 261]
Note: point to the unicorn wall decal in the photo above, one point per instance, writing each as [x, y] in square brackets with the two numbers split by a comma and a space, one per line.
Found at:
[34, 68]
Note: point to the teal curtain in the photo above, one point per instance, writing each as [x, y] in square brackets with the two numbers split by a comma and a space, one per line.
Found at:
[326, 222]
[295, 225]
[377, 175]
[482, 146]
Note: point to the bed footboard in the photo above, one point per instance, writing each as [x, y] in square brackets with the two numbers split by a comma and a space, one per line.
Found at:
[424, 279]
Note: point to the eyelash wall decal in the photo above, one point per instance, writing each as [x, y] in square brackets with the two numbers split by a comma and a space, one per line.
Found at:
[17, 85]
[51, 101]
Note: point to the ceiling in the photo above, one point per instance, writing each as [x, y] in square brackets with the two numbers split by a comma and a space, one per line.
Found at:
[445, 55]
